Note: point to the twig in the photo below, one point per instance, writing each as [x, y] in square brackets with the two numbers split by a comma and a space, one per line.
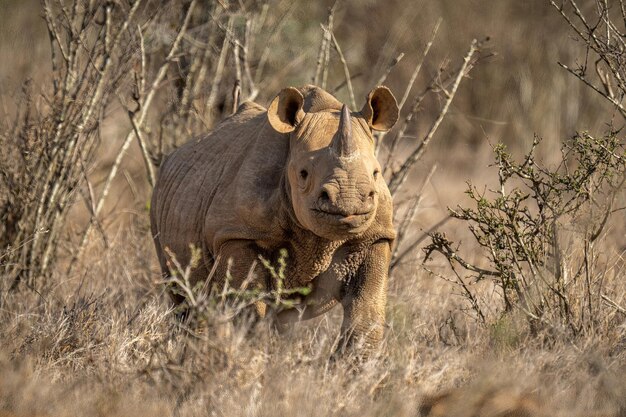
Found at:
[269, 43]
[410, 214]
[327, 32]
[346, 71]
[237, 86]
[206, 57]
[253, 91]
[405, 124]
[391, 66]
[398, 179]
[469, 295]
[320, 58]
[236, 96]
[442, 245]
[396, 261]
[219, 70]
[609, 210]
[145, 106]
[343, 83]
[144, 150]
[616, 103]
[613, 304]
[379, 136]
[602, 46]
[418, 67]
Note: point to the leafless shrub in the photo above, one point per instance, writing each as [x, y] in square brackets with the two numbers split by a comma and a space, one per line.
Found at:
[54, 146]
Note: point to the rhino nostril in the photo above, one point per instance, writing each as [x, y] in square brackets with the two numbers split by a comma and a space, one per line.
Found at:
[324, 196]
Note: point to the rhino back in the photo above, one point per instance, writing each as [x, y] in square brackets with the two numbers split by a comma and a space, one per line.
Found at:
[221, 186]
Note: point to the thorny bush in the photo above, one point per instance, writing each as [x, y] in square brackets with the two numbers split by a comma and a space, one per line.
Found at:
[523, 227]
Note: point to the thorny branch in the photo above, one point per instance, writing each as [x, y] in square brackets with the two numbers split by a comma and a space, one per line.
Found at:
[520, 223]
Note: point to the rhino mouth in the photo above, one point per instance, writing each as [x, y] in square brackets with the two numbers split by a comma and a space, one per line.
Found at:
[349, 221]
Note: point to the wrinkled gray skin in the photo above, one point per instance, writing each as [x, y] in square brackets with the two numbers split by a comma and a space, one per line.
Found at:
[302, 176]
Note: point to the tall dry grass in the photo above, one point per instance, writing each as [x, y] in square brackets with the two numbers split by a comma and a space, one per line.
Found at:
[92, 332]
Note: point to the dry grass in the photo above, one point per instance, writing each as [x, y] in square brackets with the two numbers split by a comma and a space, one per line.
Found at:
[101, 339]
[105, 343]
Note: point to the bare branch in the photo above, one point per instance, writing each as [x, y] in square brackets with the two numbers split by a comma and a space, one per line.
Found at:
[145, 106]
[391, 66]
[613, 304]
[398, 259]
[253, 91]
[345, 67]
[410, 214]
[144, 150]
[418, 67]
[398, 179]
[237, 86]
[327, 35]
[320, 58]
[613, 101]
[219, 70]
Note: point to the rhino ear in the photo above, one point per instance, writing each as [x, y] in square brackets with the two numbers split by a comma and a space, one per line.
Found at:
[380, 110]
[285, 111]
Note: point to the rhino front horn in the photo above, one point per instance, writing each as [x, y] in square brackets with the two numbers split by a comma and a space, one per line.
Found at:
[343, 144]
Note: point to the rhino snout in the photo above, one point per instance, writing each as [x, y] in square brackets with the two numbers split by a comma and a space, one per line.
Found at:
[334, 201]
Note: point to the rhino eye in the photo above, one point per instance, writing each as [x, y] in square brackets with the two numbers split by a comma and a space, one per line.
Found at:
[376, 172]
[304, 174]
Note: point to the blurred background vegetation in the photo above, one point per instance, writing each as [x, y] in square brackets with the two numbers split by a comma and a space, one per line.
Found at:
[515, 90]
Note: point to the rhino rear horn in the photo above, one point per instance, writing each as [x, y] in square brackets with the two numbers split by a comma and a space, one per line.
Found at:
[380, 109]
[285, 111]
[343, 143]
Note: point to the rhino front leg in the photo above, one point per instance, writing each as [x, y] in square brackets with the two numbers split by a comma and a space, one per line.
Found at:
[236, 259]
[323, 297]
[364, 300]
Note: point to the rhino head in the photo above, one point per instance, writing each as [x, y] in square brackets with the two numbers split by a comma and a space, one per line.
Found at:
[332, 174]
